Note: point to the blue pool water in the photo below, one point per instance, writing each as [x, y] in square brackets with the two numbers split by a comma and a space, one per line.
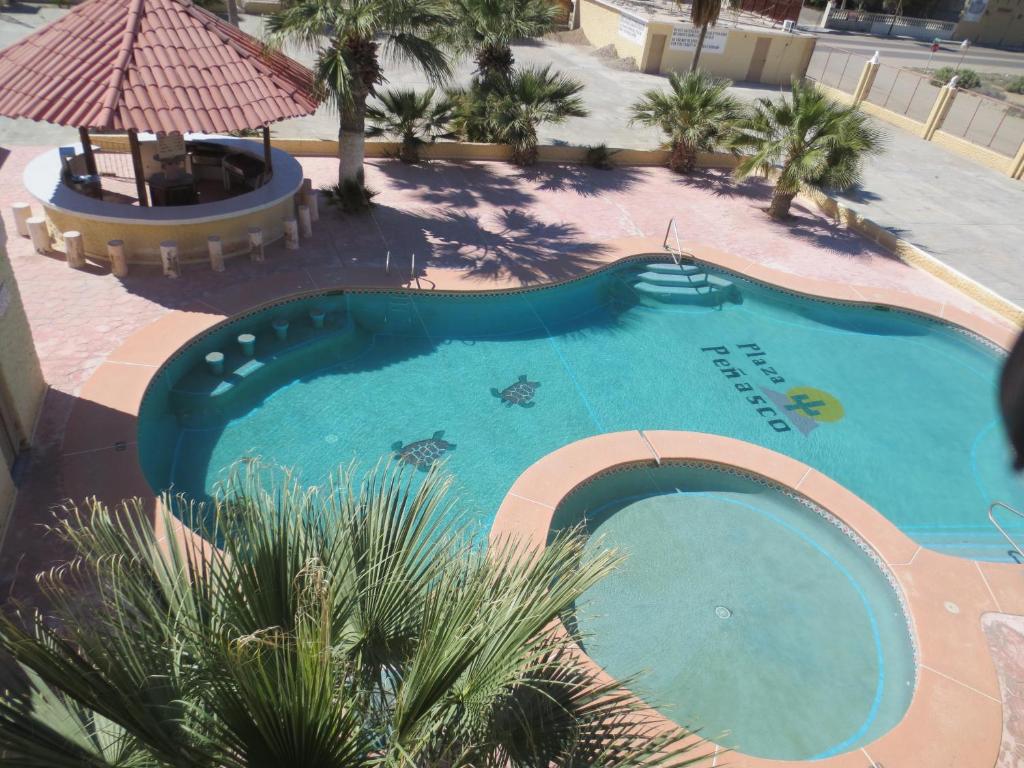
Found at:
[899, 409]
[743, 610]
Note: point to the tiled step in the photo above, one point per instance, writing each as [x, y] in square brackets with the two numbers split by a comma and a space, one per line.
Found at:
[701, 296]
[670, 268]
[692, 279]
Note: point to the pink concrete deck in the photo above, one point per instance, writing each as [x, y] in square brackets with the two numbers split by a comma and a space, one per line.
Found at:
[955, 716]
[477, 226]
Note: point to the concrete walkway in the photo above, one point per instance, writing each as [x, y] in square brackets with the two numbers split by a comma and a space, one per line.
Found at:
[967, 215]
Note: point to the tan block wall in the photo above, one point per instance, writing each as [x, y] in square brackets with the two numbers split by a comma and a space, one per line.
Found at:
[142, 241]
[787, 58]
[981, 155]
[601, 26]
[21, 378]
[901, 121]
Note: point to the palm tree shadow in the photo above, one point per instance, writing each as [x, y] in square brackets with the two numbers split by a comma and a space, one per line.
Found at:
[581, 179]
[720, 183]
[464, 185]
[507, 245]
[830, 235]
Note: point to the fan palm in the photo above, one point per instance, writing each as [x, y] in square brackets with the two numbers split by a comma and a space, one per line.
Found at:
[696, 115]
[349, 37]
[414, 118]
[703, 13]
[510, 112]
[487, 28]
[354, 626]
[809, 138]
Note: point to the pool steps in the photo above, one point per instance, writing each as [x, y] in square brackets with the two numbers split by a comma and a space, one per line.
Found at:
[200, 392]
[670, 283]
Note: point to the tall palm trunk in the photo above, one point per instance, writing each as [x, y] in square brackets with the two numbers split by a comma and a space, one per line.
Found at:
[781, 201]
[682, 159]
[232, 11]
[700, 47]
[352, 140]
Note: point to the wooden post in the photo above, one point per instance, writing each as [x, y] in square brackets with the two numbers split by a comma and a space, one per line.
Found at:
[291, 234]
[140, 178]
[118, 261]
[216, 249]
[90, 158]
[305, 222]
[22, 213]
[39, 233]
[309, 198]
[266, 150]
[169, 257]
[255, 244]
[74, 249]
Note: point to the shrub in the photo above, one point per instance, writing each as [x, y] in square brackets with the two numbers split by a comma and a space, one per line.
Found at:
[350, 196]
[966, 78]
[601, 157]
[1016, 85]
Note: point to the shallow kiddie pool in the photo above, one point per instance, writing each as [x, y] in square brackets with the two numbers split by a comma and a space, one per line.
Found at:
[752, 613]
[898, 408]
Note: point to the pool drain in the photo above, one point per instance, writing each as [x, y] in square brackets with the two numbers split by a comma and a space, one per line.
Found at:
[722, 612]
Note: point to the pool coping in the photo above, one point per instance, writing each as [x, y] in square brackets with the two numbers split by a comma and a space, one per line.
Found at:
[955, 714]
[99, 455]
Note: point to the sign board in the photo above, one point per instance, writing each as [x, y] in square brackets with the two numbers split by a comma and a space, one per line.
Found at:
[631, 29]
[684, 37]
[170, 146]
[975, 10]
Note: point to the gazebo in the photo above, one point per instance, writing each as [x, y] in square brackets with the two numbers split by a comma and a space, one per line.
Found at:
[166, 68]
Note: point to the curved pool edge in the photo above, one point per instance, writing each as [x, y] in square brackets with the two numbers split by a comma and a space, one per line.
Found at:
[955, 715]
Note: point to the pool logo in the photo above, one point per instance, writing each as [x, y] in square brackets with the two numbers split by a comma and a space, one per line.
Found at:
[807, 407]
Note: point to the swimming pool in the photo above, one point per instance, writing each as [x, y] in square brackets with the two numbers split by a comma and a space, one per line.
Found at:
[743, 609]
[898, 408]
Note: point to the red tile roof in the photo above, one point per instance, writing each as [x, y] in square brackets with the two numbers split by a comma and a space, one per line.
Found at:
[150, 65]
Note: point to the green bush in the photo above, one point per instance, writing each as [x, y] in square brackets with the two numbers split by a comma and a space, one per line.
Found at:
[1016, 85]
[967, 78]
[601, 157]
[350, 196]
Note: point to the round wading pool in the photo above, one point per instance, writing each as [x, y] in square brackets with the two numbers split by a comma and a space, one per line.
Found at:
[748, 611]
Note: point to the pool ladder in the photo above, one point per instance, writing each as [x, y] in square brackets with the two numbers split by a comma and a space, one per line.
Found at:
[998, 527]
[676, 254]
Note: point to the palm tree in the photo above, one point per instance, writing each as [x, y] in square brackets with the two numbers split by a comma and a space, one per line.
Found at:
[349, 37]
[414, 118]
[810, 139]
[351, 626]
[488, 27]
[510, 112]
[702, 14]
[696, 114]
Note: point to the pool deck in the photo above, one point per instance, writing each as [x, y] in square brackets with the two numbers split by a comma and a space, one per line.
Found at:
[478, 227]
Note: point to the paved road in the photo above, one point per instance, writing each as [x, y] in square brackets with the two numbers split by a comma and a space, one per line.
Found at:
[901, 52]
[966, 214]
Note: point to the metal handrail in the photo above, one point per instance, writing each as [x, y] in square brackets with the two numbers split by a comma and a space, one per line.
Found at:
[678, 252]
[998, 527]
[387, 264]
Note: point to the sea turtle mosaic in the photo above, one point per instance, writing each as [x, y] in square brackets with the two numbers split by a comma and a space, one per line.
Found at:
[520, 393]
[423, 453]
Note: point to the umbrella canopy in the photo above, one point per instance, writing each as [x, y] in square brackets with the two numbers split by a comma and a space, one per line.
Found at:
[153, 66]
